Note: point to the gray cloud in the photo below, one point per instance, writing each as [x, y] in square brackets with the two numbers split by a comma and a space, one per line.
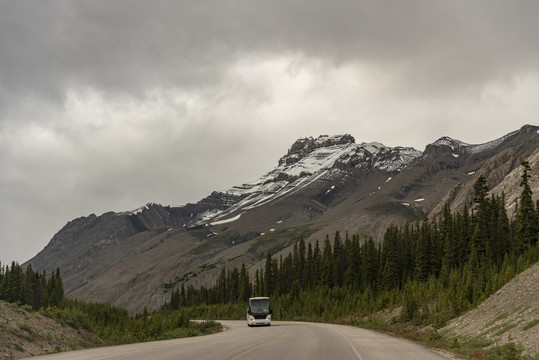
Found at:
[107, 105]
[130, 46]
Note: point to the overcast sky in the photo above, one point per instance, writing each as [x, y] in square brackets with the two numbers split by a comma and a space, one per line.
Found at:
[109, 105]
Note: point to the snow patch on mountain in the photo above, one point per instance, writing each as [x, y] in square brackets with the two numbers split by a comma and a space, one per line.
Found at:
[208, 214]
[138, 210]
[459, 147]
[226, 221]
[308, 161]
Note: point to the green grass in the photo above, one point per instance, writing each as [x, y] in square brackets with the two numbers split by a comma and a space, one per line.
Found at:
[530, 324]
[505, 328]
[498, 318]
[25, 327]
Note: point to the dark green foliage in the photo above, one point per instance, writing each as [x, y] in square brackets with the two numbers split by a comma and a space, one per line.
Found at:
[30, 287]
[435, 269]
[526, 218]
[112, 324]
[115, 326]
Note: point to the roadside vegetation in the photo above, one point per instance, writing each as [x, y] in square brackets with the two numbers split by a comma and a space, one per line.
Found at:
[433, 270]
[114, 325]
[32, 291]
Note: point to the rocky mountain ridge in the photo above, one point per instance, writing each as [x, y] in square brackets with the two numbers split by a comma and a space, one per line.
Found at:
[321, 185]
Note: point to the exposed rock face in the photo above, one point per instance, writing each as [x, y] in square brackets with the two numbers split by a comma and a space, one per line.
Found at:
[321, 185]
[302, 147]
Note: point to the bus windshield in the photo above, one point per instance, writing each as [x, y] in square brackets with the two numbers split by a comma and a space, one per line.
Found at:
[259, 306]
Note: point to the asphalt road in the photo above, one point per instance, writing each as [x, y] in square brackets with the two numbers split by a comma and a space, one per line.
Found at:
[281, 340]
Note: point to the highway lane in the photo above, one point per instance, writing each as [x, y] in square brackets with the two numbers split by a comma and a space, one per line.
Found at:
[282, 340]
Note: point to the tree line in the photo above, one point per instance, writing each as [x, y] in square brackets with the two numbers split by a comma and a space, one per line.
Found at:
[30, 287]
[435, 268]
[113, 324]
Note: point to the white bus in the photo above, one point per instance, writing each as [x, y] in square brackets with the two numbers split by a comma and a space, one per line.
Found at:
[259, 311]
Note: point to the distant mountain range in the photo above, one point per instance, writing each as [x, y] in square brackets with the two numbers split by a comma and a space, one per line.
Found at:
[135, 258]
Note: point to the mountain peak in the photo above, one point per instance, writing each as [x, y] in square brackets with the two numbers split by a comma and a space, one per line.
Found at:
[445, 144]
[304, 146]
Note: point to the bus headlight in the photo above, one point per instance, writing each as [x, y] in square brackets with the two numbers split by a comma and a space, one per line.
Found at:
[268, 318]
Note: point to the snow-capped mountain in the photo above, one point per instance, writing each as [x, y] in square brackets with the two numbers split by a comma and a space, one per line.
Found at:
[310, 160]
[461, 148]
[319, 186]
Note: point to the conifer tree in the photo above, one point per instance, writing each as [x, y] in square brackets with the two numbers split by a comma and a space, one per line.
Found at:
[353, 271]
[309, 267]
[269, 276]
[423, 251]
[327, 263]
[391, 262]
[302, 251]
[338, 261]
[316, 266]
[244, 285]
[481, 215]
[222, 287]
[526, 221]
[174, 303]
[449, 239]
[15, 284]
[233, 285]
[370, 263]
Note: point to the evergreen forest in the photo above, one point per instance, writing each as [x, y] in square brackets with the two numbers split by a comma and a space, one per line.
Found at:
[436, 269]
[114, 325]
[29, 287]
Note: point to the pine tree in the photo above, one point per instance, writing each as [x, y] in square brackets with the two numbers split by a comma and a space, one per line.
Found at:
[316, 266]
[327, 264]
[59, 291]
[352, 275]
[309, 267]
[339, 262]
[302, 250]
[526, 221]
[244, 285]
[174, 303]
[370, 263]
[423, 251]
[233, 284]
[463, 228]
[449, 239]
[391, 261]
[222, 297]
[269, 276]
[14, 290]
[481, 215]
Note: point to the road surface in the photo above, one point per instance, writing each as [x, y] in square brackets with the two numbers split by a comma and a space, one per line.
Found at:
[281, 340]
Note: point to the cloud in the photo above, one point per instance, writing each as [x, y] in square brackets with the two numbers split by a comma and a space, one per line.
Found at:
[109, 105]
[130, 47]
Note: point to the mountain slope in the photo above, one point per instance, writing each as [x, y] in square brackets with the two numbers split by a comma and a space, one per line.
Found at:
[510, 309]
[321, 185]
[24, 334]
